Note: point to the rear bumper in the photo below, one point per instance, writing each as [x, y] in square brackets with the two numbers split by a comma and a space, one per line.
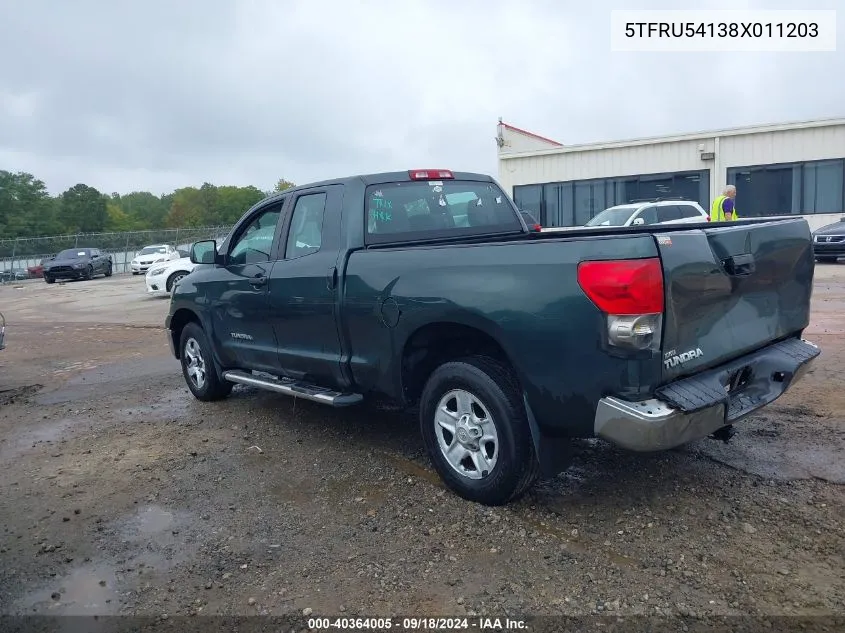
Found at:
[694, 408]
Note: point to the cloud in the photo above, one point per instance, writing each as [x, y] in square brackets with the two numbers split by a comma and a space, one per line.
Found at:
[157, 95]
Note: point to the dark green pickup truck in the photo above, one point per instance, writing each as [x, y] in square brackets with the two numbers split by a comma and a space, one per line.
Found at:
[427, 287]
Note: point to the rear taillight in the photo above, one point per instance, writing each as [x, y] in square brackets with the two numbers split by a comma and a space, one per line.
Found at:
[630, 293]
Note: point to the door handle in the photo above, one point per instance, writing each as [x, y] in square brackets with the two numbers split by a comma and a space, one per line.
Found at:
[258, 281]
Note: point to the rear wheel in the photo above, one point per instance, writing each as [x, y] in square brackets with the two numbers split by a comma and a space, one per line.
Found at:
[827, 260]
[198, 366]
[109, 270]
[475, 429]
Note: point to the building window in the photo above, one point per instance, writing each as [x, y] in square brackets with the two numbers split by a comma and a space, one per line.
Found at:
[574, 203]
[793, 188]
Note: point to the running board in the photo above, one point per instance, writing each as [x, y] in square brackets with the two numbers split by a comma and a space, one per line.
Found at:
[295, 388]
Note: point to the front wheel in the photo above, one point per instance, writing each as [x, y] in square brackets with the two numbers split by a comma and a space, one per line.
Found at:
[827, 260]
[89, 272]
[198, 366]
[49, 279]
[175, 277]
[475, 429]
[109, 271]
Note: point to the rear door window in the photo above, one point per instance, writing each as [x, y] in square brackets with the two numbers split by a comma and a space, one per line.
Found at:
[689, 211]
[667, 213]
[649, 215]
[443, 208]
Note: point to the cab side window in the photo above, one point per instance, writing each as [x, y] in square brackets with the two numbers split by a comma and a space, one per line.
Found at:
[255, 243]
[648, 215]
[306, 226]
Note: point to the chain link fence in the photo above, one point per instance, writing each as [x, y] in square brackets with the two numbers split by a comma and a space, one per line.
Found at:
[19, 254]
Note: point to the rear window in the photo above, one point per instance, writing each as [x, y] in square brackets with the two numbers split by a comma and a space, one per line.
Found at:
[437, 208]
[688, 211]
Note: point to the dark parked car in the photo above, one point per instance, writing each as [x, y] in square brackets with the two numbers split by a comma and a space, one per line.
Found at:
[829, 242]
[427, 287]
[13, 274]
[77, 263]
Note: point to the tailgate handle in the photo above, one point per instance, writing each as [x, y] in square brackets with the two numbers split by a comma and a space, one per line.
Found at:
[739, 264]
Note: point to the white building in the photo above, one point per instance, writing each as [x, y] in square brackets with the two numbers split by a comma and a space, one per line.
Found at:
[785, 169]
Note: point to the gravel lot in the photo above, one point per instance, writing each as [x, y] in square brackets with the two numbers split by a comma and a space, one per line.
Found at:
[124, 495]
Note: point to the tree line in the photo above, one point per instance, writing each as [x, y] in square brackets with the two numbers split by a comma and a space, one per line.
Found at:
[28, 210]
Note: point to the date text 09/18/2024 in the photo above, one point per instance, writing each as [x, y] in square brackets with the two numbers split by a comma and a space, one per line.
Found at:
[417, 624]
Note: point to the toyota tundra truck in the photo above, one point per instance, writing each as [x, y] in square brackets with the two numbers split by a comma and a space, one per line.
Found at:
[427, 287]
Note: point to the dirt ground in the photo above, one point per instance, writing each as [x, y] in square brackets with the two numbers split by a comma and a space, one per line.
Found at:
[124, 495]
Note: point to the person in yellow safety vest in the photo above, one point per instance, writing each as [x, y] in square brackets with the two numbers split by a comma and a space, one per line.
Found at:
[724, 209]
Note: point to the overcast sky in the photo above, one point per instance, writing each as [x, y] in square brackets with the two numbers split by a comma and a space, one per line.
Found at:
[159, 94]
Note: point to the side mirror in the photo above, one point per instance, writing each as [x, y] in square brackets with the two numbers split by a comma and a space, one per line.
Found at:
[204, 252]
[639, 221]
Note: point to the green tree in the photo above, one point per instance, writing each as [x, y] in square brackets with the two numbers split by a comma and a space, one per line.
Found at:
[144, 209]
[83, 210]
[26, 208]
[118, 219]
[233, 202]
[186, 209]
[282, 185]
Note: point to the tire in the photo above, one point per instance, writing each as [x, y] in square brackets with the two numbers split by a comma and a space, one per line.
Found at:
[109, 270]
[135, 273]
[492, 385]
[171, 281]
[827, 260]
[49, 279]
[193, 347]
[89, 272]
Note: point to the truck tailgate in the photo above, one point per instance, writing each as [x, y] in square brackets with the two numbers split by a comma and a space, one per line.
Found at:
[731, 289]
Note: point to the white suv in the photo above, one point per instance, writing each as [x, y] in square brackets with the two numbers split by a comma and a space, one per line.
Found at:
[669, 211]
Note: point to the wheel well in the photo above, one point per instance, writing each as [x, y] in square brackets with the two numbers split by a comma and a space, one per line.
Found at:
[175, 272]
[180, 319]
[437, 343]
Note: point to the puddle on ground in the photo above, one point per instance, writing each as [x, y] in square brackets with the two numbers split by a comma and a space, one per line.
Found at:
[89, 590]
[153, 520]
[110, 378]
[30, 436]
[779, 458]
[170, 404]
[156, 527]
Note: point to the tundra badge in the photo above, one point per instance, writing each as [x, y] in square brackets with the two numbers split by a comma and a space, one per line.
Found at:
[673, 360]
